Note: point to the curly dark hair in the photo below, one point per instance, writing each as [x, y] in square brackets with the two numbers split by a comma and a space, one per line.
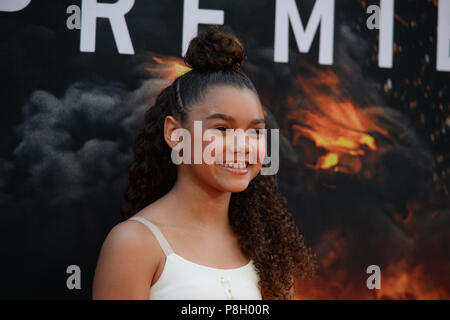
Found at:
[267, 232]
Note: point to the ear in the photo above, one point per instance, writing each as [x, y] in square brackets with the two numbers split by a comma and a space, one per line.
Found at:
[170, 125]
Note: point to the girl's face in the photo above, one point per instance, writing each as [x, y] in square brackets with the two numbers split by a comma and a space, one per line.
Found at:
[227, 107]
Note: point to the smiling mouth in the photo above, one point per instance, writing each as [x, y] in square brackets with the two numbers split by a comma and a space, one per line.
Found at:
[235, 168]
[235, 165]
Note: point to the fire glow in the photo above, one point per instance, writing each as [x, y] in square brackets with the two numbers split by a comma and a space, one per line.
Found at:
[334, 134]
[168, 68]
[339, 127]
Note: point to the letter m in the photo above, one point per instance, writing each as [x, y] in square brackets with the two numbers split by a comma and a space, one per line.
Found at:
[322, 14]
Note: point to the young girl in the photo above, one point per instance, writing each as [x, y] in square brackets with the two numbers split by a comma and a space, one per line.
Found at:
[202, 231]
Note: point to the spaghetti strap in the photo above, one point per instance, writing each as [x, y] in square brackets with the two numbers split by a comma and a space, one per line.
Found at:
[157, 233]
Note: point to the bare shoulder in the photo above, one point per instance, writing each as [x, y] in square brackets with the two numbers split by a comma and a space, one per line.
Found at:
[131, 237]
[128, 260]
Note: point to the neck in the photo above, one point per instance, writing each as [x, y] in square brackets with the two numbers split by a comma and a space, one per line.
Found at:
[199, 205]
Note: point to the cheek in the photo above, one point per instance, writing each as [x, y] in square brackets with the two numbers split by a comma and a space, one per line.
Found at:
[257, 149]
[261, 149]
[213, 150]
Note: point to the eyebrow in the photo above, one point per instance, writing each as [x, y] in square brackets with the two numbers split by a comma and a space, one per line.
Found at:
[230, 118]
[258, 120]
[220, 116]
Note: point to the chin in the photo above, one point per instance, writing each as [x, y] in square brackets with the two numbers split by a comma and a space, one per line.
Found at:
[235, 179]
[235, 187]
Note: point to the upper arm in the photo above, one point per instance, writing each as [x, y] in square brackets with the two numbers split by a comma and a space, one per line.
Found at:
[125, 265]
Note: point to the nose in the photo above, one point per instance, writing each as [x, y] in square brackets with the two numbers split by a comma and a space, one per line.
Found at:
[241, 145]
[237, 148]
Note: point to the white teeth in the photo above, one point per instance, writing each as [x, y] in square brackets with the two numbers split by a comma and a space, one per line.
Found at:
[234, 165]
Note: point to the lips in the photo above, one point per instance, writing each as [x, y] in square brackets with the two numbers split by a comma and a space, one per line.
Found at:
[240, 168]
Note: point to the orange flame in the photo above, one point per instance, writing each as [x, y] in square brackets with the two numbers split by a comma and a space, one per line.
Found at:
[328, 161]
[168, 68]
[404, 282]
[399, 280]
[332, 121]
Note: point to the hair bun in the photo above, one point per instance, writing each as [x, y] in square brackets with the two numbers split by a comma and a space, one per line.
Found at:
[215, 49]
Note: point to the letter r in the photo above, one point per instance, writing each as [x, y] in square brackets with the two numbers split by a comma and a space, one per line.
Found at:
[115, 12]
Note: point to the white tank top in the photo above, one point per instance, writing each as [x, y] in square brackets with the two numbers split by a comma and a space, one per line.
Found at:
[182, 279]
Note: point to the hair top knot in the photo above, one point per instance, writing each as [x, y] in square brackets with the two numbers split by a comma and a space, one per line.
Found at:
[215, 49]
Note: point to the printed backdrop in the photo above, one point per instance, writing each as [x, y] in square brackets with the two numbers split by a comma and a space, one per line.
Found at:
[363, 112]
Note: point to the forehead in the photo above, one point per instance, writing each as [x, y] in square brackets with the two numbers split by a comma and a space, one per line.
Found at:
[242, 104]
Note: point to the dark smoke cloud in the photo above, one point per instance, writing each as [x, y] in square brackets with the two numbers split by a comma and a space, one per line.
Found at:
[62, 188]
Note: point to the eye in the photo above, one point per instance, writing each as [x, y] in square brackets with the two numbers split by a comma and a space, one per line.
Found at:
[221, 128]
[256, 131]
